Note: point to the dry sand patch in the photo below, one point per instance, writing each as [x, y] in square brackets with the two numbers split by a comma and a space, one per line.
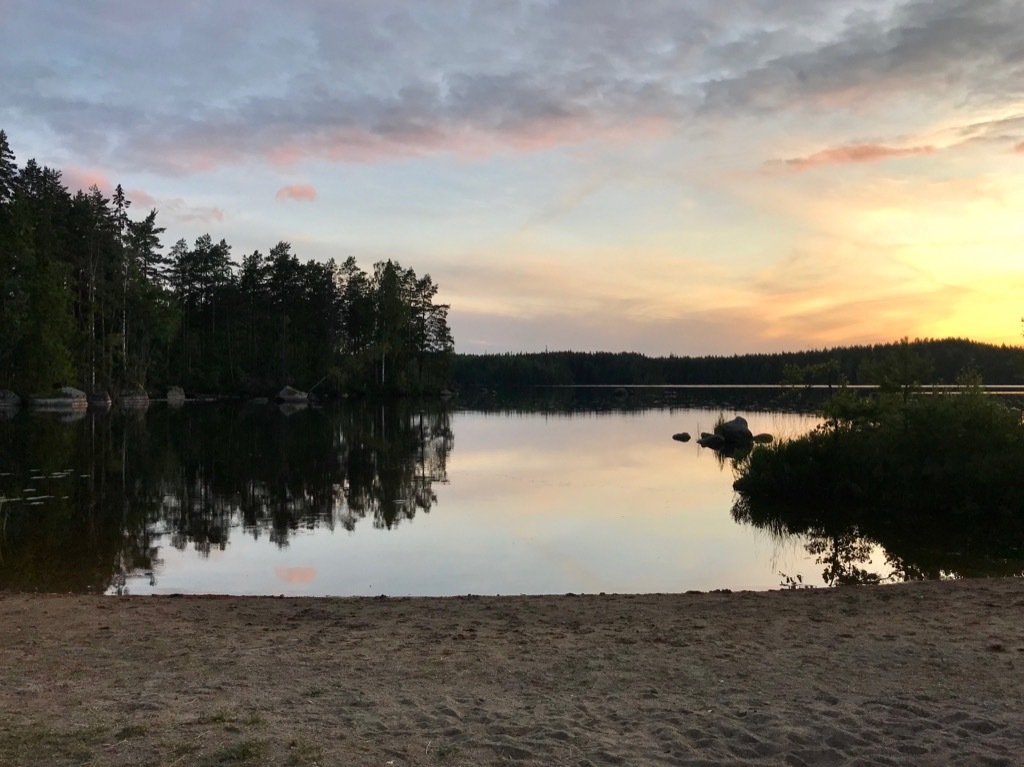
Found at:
[924, 673]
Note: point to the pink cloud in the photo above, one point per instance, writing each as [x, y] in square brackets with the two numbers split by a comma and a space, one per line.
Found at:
[854, 153]
[1019, 149]
[76, 179]
[286, 154]
[297, 192]
[141, 198]
[217, 147]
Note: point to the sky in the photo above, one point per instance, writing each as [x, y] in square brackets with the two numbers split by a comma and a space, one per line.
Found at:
[699, 177]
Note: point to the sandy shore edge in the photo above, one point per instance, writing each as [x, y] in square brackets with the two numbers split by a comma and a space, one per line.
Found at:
[920, 673]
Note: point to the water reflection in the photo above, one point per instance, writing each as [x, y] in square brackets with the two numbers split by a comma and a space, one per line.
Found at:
[570, 400]
[563, 491]
[847, 543]
[83, 505]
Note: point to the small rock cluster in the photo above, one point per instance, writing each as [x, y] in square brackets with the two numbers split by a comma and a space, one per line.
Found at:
[727, 437]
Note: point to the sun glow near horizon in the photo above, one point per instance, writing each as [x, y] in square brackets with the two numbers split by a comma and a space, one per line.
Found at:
[667, 179]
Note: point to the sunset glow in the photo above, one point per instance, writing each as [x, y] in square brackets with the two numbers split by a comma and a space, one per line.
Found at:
[688, 178]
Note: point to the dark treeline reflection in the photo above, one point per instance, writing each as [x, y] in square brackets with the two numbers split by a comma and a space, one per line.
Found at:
[571, 400]
[88, 502]
[941, 545]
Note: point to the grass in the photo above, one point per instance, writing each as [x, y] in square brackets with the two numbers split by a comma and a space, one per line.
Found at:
[445, 752]
[217, 717]
[38, 744]
[302, 753]
[132, 731]
[243, 752]
[224, 740]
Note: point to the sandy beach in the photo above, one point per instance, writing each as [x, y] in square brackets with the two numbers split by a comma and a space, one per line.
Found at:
[924, 673]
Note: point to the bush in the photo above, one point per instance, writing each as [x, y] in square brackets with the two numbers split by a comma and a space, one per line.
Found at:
[926, 476]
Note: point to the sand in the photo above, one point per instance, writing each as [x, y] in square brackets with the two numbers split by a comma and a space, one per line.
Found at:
[924, 673]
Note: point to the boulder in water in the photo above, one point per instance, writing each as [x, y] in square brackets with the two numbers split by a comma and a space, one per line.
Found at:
[291, 394]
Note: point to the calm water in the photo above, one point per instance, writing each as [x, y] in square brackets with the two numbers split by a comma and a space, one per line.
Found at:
[564, 493]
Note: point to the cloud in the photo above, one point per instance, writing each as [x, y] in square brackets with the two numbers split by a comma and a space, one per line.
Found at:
[966, 50]
[1008, 128]
[1019, 149]
[81, 179]
[357, 82]
[184, 212]
[297, 192]
[843, 319]
[141, 198]
[853, 153]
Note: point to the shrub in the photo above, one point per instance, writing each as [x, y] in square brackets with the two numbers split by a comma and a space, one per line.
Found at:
[935, 472]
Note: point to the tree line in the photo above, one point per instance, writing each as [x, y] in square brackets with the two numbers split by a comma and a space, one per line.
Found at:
[934, 362]
[89, 298]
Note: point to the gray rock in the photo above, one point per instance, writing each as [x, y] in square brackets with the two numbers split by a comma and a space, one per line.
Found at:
[681, 437]
[713, 441]
[99, 401]
[763, 439]
[175, 395]
[291, 394]
[8, 399]
[735, 431]
[70, 400]
[133, 398]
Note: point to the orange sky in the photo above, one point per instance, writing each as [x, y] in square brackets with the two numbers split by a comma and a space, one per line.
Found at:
[707, 177]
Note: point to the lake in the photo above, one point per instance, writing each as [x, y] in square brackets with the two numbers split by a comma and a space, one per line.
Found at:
[560, 491]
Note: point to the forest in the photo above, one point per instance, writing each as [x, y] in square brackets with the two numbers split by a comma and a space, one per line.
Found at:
[932, 361]
[89, 298]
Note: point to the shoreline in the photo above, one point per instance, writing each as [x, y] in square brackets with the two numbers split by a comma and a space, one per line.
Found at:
[917, 673]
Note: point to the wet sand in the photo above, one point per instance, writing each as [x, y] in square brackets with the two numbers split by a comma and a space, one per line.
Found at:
[925, 673]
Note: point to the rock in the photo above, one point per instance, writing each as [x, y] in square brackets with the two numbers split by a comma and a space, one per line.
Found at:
[713, 441]
[175, 395]
[291, 394]
[133, 398]
[99, 401]
[763, 439]
[735, 431]
[9, 400]
[70, 400]
[681, 437]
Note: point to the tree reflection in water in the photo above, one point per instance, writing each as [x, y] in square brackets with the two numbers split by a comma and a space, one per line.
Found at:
[844, 540]
[86, 503]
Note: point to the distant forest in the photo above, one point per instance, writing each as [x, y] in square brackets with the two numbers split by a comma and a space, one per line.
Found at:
[88, 299]
[922, 361]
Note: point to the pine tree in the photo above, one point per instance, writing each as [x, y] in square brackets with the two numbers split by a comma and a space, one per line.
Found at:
[8, 170]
